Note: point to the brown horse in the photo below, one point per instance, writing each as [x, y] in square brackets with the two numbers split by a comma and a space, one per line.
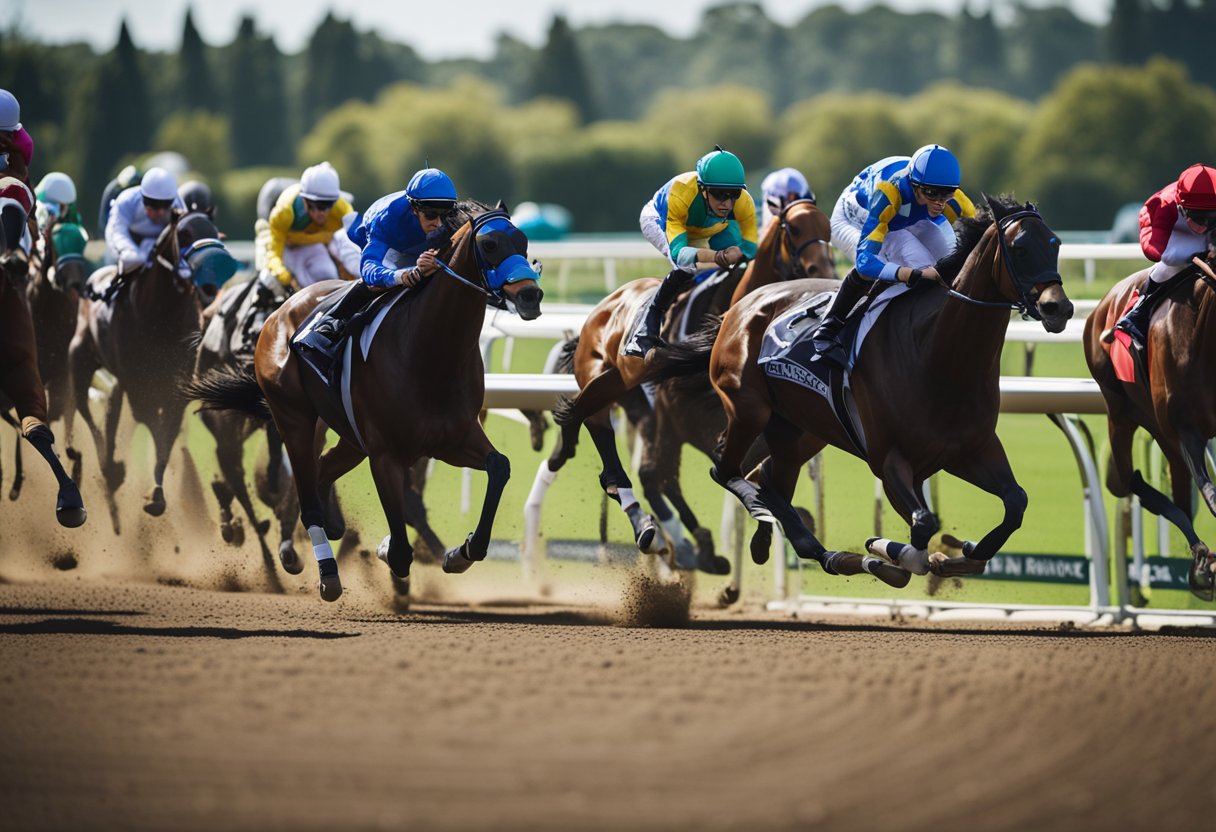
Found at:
[794, 245]
[1177, 406]
[418, 393]
[146, 339]
[20, 382]
[925, 385]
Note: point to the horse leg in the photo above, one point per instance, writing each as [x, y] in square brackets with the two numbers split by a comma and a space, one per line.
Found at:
[83, 365]
[415, 508]
[617, 485]
[906, 496]
[69, 508]
[165, 426]
[988, 468]
[479, 453]
[1192, 467]
[748, 411]
[18, 466]
[115, 472]
[390, 477]
[335, 463]
[297, 424]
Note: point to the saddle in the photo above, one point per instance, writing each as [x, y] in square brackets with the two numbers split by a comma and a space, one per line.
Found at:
[1128, 356]
[787, 352]
[105, 285]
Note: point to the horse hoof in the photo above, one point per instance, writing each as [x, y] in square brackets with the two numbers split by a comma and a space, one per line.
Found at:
[1200, 577]
[71, 516]
[330, 587]
[238, 533]
[226, 532]
[156, 502]
[686, 555]
[401, 586]
[457, 560]
[761, 545]
[728, 596]
[646, 533]
[713, 565]
[292, 564]
[945, 567]
[262, 527]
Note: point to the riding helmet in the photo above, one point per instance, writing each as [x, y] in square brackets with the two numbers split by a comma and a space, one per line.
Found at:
[57, 187]
[10, 112]
[720, 169]
[158, 184]
[319, 183]
[1197, 188]
[431, 188]
[197, 197]
[936, 167]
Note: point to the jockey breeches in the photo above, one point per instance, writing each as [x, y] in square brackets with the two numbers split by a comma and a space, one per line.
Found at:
[19, 377]
[916, 246]
[310, 264]
[1182, 246]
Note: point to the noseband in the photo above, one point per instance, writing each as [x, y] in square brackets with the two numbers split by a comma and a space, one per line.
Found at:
[795, 268]
[1028, 299]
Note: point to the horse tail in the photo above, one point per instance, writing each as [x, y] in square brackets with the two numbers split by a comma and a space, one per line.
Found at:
[563, 409]
[565, 358]
[686, 358]
[229, 388]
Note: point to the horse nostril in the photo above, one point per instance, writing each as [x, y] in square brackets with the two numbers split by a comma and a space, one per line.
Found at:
[1050, 308]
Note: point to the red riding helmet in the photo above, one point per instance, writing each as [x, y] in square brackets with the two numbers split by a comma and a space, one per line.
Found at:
[1197, 188]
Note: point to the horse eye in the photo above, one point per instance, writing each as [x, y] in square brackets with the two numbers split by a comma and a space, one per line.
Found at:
[489, 244]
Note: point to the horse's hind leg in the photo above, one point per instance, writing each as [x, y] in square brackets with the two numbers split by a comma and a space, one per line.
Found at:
[415, 508]
[390, 478]
[478, 453]
[165, 427]
[1192, 467]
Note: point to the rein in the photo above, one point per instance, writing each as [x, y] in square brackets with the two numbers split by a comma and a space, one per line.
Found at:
[787, 241]
[1023, 304]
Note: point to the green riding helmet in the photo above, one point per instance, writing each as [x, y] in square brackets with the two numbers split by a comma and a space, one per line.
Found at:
[720, 169]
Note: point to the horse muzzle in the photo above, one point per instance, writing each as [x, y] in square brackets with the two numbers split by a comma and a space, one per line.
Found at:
[1054, 308]
[527, 300]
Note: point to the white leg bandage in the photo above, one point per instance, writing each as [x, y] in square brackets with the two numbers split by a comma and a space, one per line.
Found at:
[628, 501]
[320, 543]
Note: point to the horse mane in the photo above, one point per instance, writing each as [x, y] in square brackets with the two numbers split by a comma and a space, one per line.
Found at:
[969, 232]
[466, 211]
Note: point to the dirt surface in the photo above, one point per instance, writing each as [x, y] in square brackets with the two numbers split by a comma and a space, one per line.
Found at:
[161, 681]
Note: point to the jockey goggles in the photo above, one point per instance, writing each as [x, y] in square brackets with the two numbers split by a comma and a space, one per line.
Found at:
[723, 194]
[321, 204]
[1205, 218]
[158, 204]
[935, 193]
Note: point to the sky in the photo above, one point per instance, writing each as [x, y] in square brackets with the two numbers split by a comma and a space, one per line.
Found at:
[435, 28]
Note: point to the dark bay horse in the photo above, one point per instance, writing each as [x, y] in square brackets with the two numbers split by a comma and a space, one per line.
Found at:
[418, 393]
[1177, 406]
[794, 245]
[20, 382]
[146, 339]
[926, 389]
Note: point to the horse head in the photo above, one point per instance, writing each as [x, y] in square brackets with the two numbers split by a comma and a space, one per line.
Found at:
[500, 251]
[204, 256]
[806, 236]
[65, 268]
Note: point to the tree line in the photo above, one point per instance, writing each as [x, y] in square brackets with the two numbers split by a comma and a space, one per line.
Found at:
[1080, 117]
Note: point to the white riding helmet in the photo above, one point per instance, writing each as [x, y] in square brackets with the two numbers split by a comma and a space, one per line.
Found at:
[159, 184]
[10, 112]
[320, 183]
[57, 187]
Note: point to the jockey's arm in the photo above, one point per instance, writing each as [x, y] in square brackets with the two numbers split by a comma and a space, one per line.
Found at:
[119, 239]
[280, 223]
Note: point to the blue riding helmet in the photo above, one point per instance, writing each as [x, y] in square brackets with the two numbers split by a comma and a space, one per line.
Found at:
[431, 188]
[499, 265]
[936, 167]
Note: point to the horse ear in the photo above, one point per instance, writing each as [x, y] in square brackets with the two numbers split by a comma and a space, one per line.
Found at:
[501, 206]
[992, 204]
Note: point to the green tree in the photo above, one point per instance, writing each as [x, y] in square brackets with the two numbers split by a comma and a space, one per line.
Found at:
[979, 50]
[1108, 136]
[110, 117]
[558, 70]
[195, 87]
[200, 136]
[1042, 44]
[1126, 32]
[330, 61]
[257, 106]
[691, 122]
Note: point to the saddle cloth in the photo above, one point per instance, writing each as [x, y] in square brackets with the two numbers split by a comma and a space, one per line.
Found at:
[336, 408]
[788, 353]
[1129, 359]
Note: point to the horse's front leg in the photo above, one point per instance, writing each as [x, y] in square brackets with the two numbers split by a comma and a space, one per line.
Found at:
[391, 476]
[477, 452]
[988, 469]
[1193, 446]
[904, 494]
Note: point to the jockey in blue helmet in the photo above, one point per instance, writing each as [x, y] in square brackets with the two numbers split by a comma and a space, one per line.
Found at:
[400, 235]
[896, 220]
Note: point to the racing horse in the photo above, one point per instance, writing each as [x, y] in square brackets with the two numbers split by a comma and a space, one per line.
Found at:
[795, 245]
[417, 393]
[20, 382]
[1176, 404]
[925, 385]
[145, 336]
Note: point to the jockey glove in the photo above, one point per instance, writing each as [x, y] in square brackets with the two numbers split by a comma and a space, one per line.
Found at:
[914, 277]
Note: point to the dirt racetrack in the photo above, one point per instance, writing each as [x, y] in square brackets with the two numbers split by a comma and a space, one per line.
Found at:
[138, 690]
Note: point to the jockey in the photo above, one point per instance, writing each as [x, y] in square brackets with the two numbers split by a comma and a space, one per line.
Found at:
[1174, 223]
[400, 235]
[128, 177]
[16, 145]
[779, 189]
[197, 198]
[138, 216]
[895, 220]
[56, 195]
[698, 220]
[302, 224]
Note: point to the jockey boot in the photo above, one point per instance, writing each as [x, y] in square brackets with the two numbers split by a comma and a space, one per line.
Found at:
[827, 337]
[647, 336]
[1136, 322]
[332, 329]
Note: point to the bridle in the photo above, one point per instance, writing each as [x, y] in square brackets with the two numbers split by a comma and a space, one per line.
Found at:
[1027, 301]
[794, 267]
